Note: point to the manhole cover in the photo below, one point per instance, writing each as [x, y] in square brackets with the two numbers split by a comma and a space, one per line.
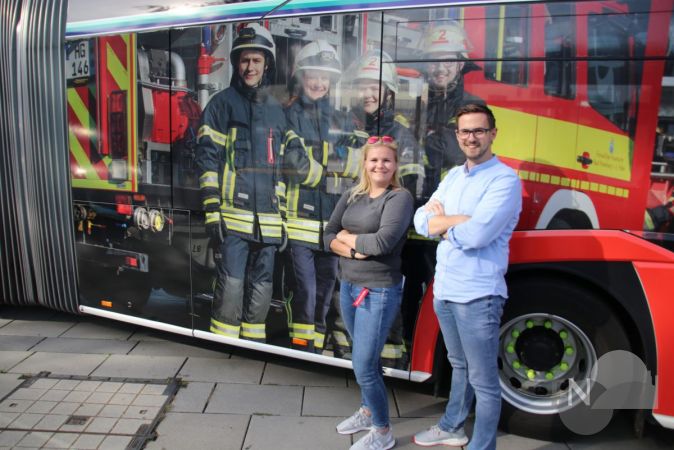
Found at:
[50, 411]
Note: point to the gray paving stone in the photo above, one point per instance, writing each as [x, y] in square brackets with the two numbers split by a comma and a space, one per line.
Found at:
[138, 366]
[88, 385]
[164, 348]
[54, 395]
[15, 405]
[59, 363]
[153, 389]
[405, 428]
[61, 440]
[18, 343]
[292, 433]
[93, 346]
[41, 407]
[336, 402]
[76, 396]
[101, 424]
[129, 426]
[141, 412]
[68, 385]
[37, 328]
[88, 441]
[149, 400]
[512, 442]
[100, 397]
[254, 399]
[114, 411]
[51, 422]
[91, 328]
[131, 388]
[35, 439]
[222, 370]
[115, 442]
[7, 417]
[44, 383]
[193, 397]
[122, 399]
[109, 386]
[200, 431]
[66, 408]
[8, 382]
[9, 359]
[88, 409]
[27, 421]
[414, 404]
[11, 438]
[313, 375]
[28, 393]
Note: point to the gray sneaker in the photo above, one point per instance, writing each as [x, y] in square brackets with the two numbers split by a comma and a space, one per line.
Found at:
[436, 436]
[374, 440]
[359, 421]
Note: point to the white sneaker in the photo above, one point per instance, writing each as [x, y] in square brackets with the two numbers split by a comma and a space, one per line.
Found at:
[374, 440]
[436, 436]
[359, 421]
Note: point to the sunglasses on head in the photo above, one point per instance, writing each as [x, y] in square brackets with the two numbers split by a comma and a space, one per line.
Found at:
[382, 139]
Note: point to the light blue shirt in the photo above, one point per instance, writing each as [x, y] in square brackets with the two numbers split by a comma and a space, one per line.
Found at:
[473, 260]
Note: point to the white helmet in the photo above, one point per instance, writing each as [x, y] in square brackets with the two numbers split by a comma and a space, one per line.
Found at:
[370, 65]
[318, 55]
[253, 37]
[448, 37]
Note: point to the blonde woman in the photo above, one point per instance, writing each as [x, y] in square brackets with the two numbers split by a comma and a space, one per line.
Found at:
[367, 230]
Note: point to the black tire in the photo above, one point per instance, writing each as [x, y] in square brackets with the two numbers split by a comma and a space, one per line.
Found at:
[551, 304]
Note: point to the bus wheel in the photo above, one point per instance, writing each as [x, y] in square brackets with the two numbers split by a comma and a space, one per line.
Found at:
[553, 332]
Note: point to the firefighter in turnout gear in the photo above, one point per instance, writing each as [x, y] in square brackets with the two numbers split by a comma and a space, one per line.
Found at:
[375, 114]
[315, 180]
[446, 46]
[239, 154]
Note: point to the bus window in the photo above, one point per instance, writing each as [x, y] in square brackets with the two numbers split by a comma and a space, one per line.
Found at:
[507, 44]
[560, 50]
[608, 80]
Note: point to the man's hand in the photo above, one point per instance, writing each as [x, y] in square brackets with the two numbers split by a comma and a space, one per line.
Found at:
[434, 207]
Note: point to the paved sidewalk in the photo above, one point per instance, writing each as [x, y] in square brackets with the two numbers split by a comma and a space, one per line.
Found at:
[230, 398]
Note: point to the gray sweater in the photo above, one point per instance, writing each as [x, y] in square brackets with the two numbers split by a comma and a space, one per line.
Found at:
[381, 224]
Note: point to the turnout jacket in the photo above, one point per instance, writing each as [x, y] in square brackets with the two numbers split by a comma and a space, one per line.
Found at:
[317, 176]
[239, 154]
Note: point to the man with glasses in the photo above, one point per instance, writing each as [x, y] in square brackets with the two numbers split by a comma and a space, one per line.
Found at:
[474, 210]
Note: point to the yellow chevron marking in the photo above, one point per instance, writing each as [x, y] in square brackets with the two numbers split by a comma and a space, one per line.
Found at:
[117, 69]
[79, 108]
[81, 157]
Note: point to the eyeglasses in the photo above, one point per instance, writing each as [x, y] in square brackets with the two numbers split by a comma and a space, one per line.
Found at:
[378, 139]
[464, 133]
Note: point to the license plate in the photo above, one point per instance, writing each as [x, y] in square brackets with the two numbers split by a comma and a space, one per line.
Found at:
[78, 61]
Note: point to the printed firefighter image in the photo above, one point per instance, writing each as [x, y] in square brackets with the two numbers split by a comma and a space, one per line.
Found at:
[315, 180]
[375, 114]
[239, 156]
[446, 46]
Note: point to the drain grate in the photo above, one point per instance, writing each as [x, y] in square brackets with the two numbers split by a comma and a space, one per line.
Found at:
[51, 411]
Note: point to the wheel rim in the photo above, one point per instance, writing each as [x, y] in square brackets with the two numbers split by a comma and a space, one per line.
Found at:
[546, 363]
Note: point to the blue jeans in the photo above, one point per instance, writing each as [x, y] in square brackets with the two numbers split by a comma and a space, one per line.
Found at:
[368, 325]
[470, 331]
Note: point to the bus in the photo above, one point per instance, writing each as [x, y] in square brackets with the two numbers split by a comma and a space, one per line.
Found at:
[583, 96]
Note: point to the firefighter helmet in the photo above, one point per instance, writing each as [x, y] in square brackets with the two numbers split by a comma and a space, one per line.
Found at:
[253, 37]
[318, 55]
[376, 65]
[448, 37]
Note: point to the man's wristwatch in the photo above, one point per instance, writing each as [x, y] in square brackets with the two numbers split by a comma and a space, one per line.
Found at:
[353, 253]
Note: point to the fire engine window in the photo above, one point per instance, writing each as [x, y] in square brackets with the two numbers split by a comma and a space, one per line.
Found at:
[609, 80]
[560, 51]
[507, 40]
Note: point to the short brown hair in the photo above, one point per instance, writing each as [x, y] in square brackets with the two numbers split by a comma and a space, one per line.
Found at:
[473, 108]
